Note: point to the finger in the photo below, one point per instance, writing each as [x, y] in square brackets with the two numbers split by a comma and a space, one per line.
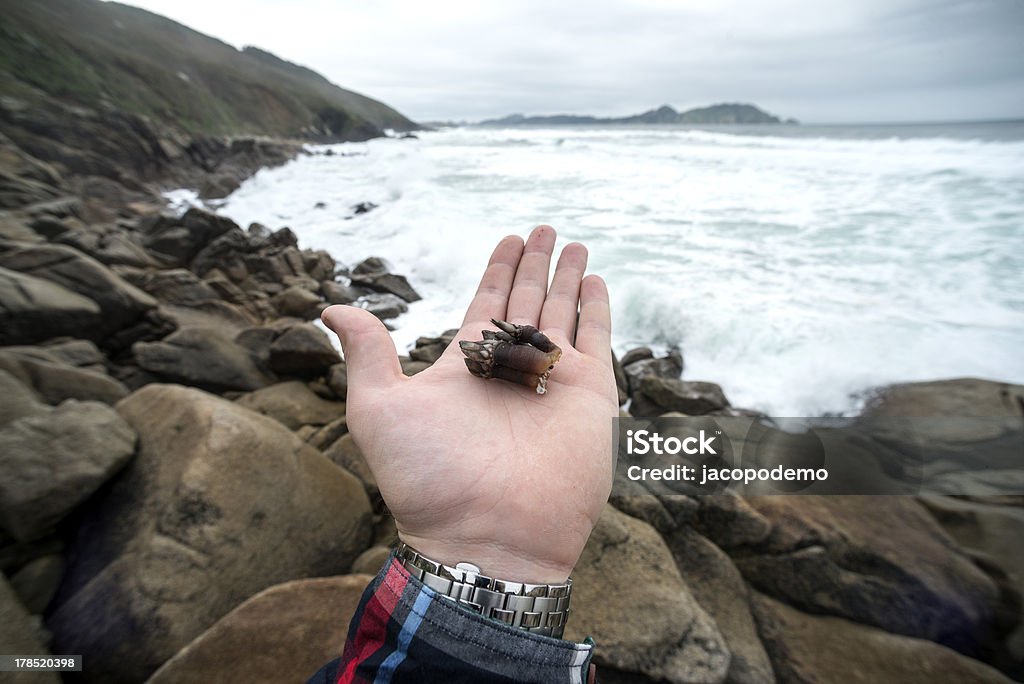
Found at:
[531, 283]
[491, 299]
[594, 335]
[559, 312]
[370, 356]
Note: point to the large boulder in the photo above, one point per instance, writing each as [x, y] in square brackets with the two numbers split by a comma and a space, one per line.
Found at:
[292, 404]
[720, 590]
[18, 637]
[202, 356]
[33, 309]
[956, 397]
[299, 302]
[54, 461]
[882, 561]
[282, 634]
[177, 241]
[303, 350]
[17, 400]
[120, 302]
[55, 380]
[628, 595]
[808, 648]
[219, 504]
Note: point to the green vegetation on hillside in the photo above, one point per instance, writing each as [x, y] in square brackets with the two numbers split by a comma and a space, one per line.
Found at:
[107, 55]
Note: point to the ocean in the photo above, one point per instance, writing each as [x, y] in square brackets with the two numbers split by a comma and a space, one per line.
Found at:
[797, 266]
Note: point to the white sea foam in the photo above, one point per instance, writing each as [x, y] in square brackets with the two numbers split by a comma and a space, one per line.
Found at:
[794, 271]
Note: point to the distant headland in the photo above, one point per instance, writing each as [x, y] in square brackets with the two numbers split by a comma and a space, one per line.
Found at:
[725, 113]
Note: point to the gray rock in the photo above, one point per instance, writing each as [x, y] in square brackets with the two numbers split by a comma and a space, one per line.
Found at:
[669, 366]
[638, 354]
[336, 293]
[54, 462]
[337, 380]
[179, 240]
[80, 353]
[33, 309]
[54, 381]
[345, 452]
[653, 396]
[219, 504]
[302, 350]
[370, 265]
[387, 282]
[383, 306]
[201, 356]
[621, 381]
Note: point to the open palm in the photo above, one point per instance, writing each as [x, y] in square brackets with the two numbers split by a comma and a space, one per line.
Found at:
[487, 471]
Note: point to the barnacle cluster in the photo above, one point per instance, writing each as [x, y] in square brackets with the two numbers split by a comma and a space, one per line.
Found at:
[517, 353]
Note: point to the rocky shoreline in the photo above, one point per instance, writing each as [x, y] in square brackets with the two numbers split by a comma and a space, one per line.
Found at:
[182, 499]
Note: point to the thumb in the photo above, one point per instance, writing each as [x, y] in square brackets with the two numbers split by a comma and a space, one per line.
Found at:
[370, 354]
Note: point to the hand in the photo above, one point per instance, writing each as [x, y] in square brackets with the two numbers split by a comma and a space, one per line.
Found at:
[486, 471]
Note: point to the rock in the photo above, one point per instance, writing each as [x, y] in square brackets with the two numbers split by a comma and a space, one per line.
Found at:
[337, 380]
[730, 522]
[410, 367]
[53, 462]
[298, 302]
[282, 634]
[638, 354]
[201, 356]
[669, 366]
[363, 208]
[370, 265]
[79, 353]
[37, 581]
[180, 240]
[17, 400]
[219, 504]
[719, 589]
[994, 531]
[292, 404]
[428, 349]
[336, 293]
[33, 309]
[810, 648]
[387, 282]
[328, 434]
[18, 637]
[957, 397]
[653, 395]
[120, 302]
[371, 560]
[879, 560]
[302, 350]
[629, 596]
[383, 306]
[54, 381]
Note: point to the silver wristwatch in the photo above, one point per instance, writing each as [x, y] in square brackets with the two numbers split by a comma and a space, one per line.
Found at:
[538, 608]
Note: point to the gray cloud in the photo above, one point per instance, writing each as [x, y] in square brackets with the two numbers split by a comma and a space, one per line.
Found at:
[858, 60]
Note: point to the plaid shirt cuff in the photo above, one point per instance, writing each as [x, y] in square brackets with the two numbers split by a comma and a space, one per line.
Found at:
[403, 631]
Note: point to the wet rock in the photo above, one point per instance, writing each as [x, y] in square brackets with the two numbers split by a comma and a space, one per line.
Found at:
[812, 648]
[669, 366]
[387, 282]
[879, 560]
[336, 293]
[653, 396]
[284, 633]
[383, 306]
[637, 354]
[363, 208]
[203, 357]
[189, 531]
[33, 309]
[629, 596]
[292, 404]
[53, 462]
[370, 265]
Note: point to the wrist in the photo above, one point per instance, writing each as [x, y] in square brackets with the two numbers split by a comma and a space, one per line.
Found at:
[493, 559]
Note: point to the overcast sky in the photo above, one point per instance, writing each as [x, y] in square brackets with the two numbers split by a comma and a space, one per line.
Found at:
[838, 61]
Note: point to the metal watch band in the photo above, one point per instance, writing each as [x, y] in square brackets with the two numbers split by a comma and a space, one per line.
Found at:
[538, 608]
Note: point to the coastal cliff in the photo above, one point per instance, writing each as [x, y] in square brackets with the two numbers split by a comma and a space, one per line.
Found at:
[716, 114]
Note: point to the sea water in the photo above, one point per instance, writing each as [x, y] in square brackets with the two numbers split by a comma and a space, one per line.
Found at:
[797, 266]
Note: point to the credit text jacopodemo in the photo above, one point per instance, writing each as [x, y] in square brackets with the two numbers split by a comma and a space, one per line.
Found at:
[714, 474]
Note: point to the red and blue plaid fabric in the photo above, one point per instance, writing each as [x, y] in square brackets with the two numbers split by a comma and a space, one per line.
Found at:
[405, 632]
